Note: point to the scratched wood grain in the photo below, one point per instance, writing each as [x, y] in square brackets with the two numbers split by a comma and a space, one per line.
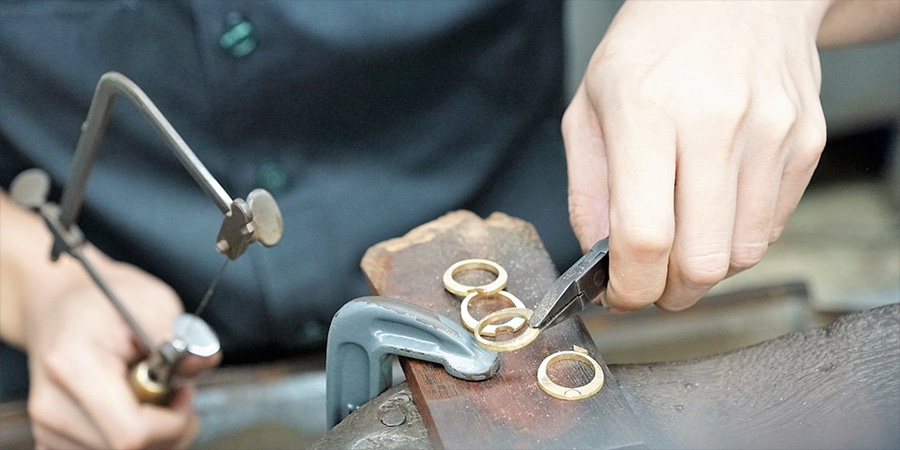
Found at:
[509, 410]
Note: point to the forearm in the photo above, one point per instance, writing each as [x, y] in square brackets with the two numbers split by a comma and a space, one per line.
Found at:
[851, 22]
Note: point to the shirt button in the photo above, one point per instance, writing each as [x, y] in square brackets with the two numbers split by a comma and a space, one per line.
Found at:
[272, 177]
[311, 334]
[238, 39]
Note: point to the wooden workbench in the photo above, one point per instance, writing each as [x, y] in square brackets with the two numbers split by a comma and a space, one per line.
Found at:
[837, 386]
[509, 410]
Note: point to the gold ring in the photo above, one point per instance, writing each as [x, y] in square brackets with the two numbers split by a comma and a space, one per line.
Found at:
[513, 344]
[514, 324]
[571, 393]
[460, 289]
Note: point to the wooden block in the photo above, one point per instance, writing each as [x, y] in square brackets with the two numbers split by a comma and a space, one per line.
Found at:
[509, 410]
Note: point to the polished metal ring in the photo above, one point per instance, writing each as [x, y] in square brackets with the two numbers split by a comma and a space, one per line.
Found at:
[570, 393]
[460, 289]
[515, 343]
[514, 324]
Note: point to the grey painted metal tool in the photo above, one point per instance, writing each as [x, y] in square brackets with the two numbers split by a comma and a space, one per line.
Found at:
[390, 421]
[366, 331]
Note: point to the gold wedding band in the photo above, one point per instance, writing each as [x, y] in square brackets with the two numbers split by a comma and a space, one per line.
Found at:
[512, 344]
[514, 324]
[460, 289]
[570, 393]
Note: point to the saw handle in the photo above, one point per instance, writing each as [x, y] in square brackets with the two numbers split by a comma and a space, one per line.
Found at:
[146, 387]
[194, 346]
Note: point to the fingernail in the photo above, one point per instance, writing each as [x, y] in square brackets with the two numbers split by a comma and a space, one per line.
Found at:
[601, 299]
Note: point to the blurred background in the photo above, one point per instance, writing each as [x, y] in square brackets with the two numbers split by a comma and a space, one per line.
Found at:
[840, 253]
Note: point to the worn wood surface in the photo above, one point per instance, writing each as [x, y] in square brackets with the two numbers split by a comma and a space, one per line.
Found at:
[836, 386]
[509, 410]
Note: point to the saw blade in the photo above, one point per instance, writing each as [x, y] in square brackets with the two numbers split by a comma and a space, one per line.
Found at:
[206, 297]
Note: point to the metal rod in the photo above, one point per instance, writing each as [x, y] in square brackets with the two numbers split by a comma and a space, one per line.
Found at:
[144, 338]
[208, 295]
[94, 127]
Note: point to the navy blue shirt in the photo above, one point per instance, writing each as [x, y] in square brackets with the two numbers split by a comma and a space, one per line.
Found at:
[364, 119]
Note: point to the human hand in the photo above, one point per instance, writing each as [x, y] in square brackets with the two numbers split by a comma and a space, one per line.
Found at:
[80, 351]
[690, 141]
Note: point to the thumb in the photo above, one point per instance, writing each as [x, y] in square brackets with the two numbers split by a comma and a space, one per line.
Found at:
[203, 350]
[192, 365]
[587, 171]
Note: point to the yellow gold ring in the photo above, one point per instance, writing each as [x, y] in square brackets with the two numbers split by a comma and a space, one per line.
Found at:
[460, 289]
[570, 393]
[512, 344]
[514, 324]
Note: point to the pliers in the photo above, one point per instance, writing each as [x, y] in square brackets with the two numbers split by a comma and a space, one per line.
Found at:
[577, 287]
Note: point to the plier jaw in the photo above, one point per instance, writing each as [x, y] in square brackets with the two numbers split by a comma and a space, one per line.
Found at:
[577, 287]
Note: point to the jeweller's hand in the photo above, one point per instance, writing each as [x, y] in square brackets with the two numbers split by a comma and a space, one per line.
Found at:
[694, 133]
[78, 346]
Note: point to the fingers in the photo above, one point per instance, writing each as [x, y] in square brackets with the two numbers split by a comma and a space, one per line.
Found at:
[758, 191]
[46, 439]
[174, 426]
[682, 219]
[81, 396]
[85, 405]
[640, 143]
[587, 171]
[805, 147]
[705, 136]
[126, 423]
[763, 148]
[112, 406]
[190, 366]
[57, 422]
[705, 201]
[183, 401]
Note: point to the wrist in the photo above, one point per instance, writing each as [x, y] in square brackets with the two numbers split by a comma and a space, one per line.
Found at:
[851, 22]
[814, 13]
[11, 318]
[29, 281]
[805, 15]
